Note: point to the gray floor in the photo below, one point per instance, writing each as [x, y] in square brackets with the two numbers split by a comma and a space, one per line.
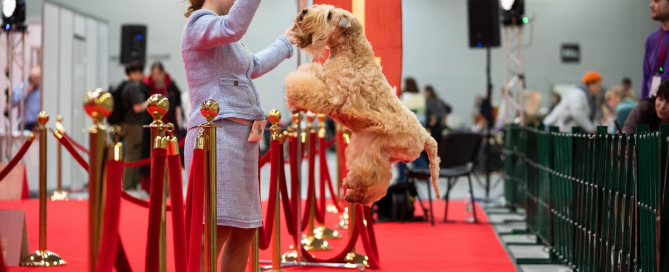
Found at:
[503, 222]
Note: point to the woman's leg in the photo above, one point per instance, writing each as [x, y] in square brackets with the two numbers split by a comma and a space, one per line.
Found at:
[222, 234]
[236, 252]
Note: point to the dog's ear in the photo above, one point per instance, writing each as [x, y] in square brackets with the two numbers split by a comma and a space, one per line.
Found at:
[344, 22]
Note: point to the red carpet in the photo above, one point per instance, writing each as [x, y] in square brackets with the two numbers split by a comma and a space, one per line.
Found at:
[415, 246]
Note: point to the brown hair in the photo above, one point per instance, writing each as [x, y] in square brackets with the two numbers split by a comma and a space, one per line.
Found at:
[410, 85]
[429, 90]
[194, 5]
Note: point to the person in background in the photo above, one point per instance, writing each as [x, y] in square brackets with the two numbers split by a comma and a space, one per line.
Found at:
[555, 100]
[134, 98]
[577, 108]
[652, 111]
[655, 62]
[436, 112]
[626, 84]
[413, 100]
[160, 82]
[620, 106]
[31, 98]
[416, 103]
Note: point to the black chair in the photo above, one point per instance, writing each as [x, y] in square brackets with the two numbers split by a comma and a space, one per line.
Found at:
[458, 153]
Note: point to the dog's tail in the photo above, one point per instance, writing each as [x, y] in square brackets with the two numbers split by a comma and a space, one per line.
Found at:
[431, 149]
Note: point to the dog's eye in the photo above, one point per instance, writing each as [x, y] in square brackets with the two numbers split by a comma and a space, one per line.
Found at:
[329, 15]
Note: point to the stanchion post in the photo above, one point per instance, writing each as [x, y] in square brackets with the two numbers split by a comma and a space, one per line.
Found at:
[322, 231]
[42, 257]
[98, 104]
[353, 257]
[312, 242]
[344, 218]
[209, 109]
[157, 107]
[59, 194]
[274, 118]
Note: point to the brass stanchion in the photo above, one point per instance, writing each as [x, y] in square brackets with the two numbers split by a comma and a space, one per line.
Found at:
[42, 257]
[157, 107]
[209, 109]
[59, 194]
[323, 232]
[353, 257]
[344, 218]
[311, 242]
[293, 255]
[274, 118]
[98, 104]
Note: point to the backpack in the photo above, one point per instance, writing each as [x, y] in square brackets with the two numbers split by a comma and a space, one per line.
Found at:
[117, 115]
[397, 204]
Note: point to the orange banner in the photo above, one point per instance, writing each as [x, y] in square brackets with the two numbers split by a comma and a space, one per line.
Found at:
[383, 28]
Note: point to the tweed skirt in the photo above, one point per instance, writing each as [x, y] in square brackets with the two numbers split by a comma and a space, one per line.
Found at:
[238, 196]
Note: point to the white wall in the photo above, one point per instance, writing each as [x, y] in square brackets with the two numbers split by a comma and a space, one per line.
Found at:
[72, 42]
[611, 34]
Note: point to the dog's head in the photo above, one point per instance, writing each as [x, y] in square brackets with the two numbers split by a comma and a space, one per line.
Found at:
[322, 26]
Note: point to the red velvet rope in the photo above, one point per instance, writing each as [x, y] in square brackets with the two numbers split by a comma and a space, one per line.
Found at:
[110, 236]
[155, 209]
[197, 211]
[339, 257]
[319, 216]
[263, 160]
[294, 189]
[330, 142]
[68, 146]
[325, 172]
[74, 143]
[265, 232]
[367, 234]
[342, 156]
[138, 163]
[176, 198]
[140, 202]
[19, 155]
[285, 199]
[189, 208]
[122, 263]
[323, 176]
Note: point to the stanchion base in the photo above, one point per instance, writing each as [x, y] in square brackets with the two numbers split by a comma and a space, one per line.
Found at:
[356, 258]
[331, 208]
[291, 256]
[343, 220]
[324, 232]
[43, 259]
[312, 243]
[60, 196]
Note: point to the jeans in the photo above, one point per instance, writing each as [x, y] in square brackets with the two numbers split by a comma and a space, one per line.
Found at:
[422, 162]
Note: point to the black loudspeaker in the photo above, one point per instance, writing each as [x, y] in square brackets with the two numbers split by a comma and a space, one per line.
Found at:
[483, 23]
[133, 43]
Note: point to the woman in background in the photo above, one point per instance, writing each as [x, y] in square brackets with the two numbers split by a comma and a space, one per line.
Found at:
[621, 105]
[436, 112]
[652, 111]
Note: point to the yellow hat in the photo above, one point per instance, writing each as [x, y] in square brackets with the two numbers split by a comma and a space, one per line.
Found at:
[591, 76]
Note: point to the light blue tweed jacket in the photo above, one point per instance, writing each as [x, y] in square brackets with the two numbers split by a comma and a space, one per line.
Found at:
[219, 67]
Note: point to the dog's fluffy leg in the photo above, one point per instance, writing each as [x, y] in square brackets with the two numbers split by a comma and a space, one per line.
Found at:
[305, 89]
[431, 149]
[368, 169]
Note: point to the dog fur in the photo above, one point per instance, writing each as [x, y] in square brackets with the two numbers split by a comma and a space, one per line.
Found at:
[351, 89]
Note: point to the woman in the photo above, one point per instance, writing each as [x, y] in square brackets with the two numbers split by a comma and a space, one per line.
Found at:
[219, 67]
[412, 99]
[652, 111]
[436, 112]
[621, 105]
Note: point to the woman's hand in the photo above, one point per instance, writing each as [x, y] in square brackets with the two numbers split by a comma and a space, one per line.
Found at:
[290, 34]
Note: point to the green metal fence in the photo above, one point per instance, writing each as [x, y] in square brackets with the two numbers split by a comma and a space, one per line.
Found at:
[594, 199]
